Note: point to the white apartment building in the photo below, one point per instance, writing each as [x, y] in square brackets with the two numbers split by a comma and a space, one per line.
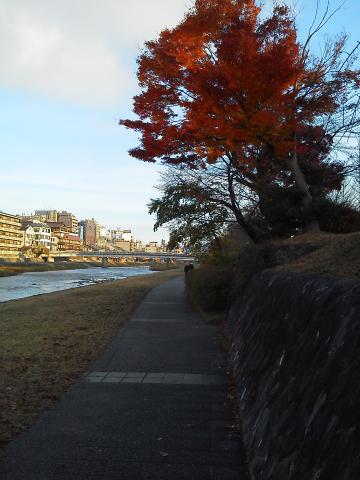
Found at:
[119, 235]
[28, 233]
[116, 235]
[127, 236]
[41, 233]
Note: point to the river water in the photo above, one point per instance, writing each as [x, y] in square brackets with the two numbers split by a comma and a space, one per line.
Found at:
[37, 283]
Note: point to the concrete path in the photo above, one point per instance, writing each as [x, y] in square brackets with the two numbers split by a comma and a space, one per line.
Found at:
[154, 406]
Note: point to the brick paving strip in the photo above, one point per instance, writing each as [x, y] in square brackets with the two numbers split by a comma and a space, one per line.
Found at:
[155, 377]
[154, 406]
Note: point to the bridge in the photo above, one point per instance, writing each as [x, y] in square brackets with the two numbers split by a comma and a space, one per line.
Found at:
[181, 257]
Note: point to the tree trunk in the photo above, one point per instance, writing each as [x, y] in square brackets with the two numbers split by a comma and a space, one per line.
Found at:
[245, 233]
[241, 233]
[219, 246]
[311, 222]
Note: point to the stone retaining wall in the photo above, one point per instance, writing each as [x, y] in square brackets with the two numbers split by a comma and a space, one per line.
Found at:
[296, 352]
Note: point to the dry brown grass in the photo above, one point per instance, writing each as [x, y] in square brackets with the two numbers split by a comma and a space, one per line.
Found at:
[48, 341]
[336, 255]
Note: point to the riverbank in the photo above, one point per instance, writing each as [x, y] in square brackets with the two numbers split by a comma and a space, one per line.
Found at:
[48, 341]
[18, 269]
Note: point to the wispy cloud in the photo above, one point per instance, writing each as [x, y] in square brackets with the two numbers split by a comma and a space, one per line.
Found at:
[81, 51]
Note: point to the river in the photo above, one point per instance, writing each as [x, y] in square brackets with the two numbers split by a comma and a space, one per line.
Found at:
[38, 283]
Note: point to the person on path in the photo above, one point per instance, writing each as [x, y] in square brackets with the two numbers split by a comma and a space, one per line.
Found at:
[188, 267]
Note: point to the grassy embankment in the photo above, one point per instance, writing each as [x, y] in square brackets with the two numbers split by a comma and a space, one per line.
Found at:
[335, 255]
[213, 287]
[48, 341]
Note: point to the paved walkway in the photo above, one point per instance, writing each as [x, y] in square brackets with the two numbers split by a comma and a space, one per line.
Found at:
[154, 406]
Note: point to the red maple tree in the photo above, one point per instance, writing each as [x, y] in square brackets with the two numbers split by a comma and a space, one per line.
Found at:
[226, 84]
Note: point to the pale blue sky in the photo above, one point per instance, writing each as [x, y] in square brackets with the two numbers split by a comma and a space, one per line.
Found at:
[67, 74]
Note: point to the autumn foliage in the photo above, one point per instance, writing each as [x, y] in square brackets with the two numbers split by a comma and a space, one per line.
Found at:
[227, 84]
[214, 84]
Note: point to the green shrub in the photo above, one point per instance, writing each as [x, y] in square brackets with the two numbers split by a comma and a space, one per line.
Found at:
[224, 252]
[213, 287]
[162, 266]
[252, 260]
[209, 287]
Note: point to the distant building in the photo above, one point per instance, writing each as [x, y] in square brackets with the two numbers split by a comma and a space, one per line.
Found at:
[124, 245]
[10, 236]
[69, 220]
[104, 239]
[72, 242]
[29, 218]
[138, 246]
[127, 236]
[46, 215]
[33, 236]
[151, 247]
[66, 240]
[40, 233]
[28, 235]
[80, 231]
[163, 247]
[98, 229]
[91, 231]
[178, 250]
[120, 234]
[116, 235]
[54, 243]
[103, 232]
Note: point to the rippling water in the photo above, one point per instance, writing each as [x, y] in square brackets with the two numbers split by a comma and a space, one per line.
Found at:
[37, 283]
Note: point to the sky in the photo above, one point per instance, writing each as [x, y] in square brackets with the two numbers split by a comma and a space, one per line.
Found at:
[67, 75]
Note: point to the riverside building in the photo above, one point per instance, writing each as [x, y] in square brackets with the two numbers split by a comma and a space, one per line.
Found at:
[10, 236]
[46, 215]
[66, 240]
[40, 234]
[91, 231]
[69, 220]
